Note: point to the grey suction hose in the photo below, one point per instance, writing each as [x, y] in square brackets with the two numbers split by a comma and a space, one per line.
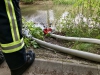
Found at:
[86, 55]
[90, 40]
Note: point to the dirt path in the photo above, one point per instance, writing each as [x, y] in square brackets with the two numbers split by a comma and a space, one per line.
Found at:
[4, 70]
[52, 67]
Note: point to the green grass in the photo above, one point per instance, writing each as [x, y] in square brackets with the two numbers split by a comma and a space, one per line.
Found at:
[65, 2]
[88, 47]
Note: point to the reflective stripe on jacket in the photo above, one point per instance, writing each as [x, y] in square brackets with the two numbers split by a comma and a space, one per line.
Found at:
[12, 41]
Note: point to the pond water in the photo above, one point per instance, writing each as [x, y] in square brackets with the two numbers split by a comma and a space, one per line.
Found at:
[39, 14]
[44, 15]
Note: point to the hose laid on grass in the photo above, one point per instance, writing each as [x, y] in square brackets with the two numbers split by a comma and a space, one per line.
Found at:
[89, 40]
[86, 55]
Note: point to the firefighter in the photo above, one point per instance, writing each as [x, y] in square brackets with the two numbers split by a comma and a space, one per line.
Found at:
[11, 40]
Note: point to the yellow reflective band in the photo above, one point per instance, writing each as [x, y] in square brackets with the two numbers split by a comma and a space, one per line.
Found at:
[13, 50]
[12, 20]
[7, 9]
[12, 44]
[12, 47]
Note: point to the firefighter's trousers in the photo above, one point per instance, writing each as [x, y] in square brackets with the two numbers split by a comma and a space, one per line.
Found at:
[11, 40]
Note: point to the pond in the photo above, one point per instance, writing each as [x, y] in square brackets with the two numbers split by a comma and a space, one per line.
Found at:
[42, 13]
[45, 13]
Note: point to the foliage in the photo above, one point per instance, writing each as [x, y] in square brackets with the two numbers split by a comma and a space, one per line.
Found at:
[34, 44]
[34, 31]
[86, 47]
[80, 30]
[66, 2]
[90, 9]
[28, 43]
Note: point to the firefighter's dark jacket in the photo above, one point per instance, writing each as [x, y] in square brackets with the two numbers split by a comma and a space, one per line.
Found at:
[10, 26]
